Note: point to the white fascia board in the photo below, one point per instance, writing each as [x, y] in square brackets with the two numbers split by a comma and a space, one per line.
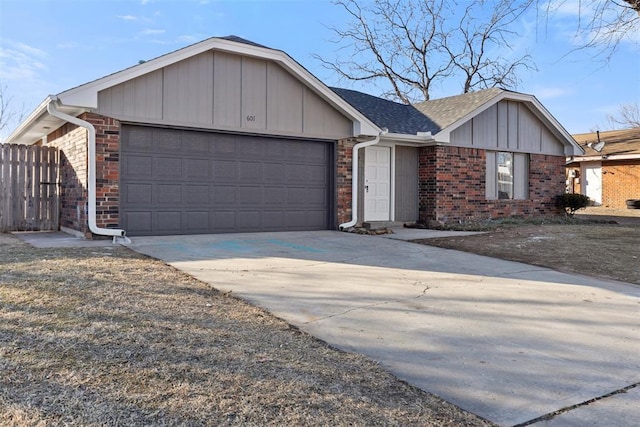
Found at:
[87, 94]
[16, 136]
[40, 123]
[571, 147]
[418, 140]
[603, 157]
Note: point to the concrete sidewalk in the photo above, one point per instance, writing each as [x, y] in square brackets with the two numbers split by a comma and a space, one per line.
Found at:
[508, 341]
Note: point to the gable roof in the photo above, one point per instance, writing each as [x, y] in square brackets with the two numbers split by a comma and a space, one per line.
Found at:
[619, 144]
[84, 98]
[396, 117]
[446, 111]
[442, 116]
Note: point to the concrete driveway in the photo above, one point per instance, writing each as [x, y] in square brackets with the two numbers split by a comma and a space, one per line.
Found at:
[508, 341]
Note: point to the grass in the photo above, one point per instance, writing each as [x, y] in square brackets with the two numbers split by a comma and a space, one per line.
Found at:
[105, 336]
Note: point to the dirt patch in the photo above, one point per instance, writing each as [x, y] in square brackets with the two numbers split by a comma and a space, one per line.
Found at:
[600, 249]
[105, 336]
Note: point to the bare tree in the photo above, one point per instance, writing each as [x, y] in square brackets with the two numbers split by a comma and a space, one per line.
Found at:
[480, 68]
[601, 25]
[413, 45]
[627, 117]
[8, 115]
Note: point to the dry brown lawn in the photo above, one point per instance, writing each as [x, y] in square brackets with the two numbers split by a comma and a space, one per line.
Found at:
[105, 336]
[599, 242]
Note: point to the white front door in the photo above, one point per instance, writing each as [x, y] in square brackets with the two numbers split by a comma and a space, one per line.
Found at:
[593, 182]
[377, 183]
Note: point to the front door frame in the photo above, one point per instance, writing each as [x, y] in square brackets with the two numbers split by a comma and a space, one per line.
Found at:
[586, 177]
[391, 215]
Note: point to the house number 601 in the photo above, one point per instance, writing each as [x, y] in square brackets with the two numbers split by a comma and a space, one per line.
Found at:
[251, 118]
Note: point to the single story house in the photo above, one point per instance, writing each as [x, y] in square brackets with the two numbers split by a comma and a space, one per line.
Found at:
[609, 171]
[230, 136]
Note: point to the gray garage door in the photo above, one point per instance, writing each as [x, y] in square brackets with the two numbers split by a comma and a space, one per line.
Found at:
[189, 182]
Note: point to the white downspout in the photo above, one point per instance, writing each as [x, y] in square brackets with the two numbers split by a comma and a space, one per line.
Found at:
[118, 235]
[354, 181]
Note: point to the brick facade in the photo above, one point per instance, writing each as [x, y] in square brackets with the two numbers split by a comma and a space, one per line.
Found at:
[344, 179]
[71, 140]
[620, 181]
[452, 182]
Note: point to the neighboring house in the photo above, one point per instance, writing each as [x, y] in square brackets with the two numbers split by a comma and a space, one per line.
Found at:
[610, 174]
[230, 136]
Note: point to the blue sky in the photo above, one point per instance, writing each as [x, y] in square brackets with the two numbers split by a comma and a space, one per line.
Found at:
[48, 46]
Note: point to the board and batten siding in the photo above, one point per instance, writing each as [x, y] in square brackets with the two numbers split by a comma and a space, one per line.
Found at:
[220, 90]
[507, 126]
[406, 185]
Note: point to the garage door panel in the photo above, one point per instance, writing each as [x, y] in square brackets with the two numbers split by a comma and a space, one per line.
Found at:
[296, 197]
[196, 195]
[250, 149]
[139, 221]
[273, 220]
[167, 168]
[197, 144]
[274, 173]
[249, 172]
[137, 194]
[168, 222]
[197, 169]
[248, 220]
[316, 175]
[167, 194]
[223, 195]
[275, 196]
[313, 196]
[225, 171]
[223, 146]
[139, 139]
[138, 167]
[186, 182]
[225, 221]
[197, 221]
[167, 141]
[250, 196]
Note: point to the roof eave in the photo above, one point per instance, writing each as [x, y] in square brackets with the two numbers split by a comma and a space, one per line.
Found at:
[420, 139]
[601, 157]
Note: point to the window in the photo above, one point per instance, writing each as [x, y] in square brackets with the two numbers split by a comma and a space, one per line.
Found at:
[507, 175]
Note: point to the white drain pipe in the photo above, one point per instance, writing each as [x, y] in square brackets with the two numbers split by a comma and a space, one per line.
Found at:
[117, 234]
[354, 181]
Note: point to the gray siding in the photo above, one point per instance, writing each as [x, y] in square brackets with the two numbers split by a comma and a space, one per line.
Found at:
[507, 126]
[406, 185]
[225, 91]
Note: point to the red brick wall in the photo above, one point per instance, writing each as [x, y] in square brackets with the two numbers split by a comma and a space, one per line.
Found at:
[620, 181]
[107, 169]
[71, 140]
[344, 180]
[452, 186]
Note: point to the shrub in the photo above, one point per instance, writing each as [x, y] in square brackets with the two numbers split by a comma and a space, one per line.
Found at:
[570, 202]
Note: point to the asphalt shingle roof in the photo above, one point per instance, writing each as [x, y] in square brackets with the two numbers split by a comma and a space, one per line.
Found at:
[429, 116]
[398, 118]
[617, 142]
[446, 111]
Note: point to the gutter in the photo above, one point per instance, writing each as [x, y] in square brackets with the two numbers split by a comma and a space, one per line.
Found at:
[119, 236]
[354, 181]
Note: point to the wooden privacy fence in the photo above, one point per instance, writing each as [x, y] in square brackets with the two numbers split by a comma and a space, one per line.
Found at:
[28, 188]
